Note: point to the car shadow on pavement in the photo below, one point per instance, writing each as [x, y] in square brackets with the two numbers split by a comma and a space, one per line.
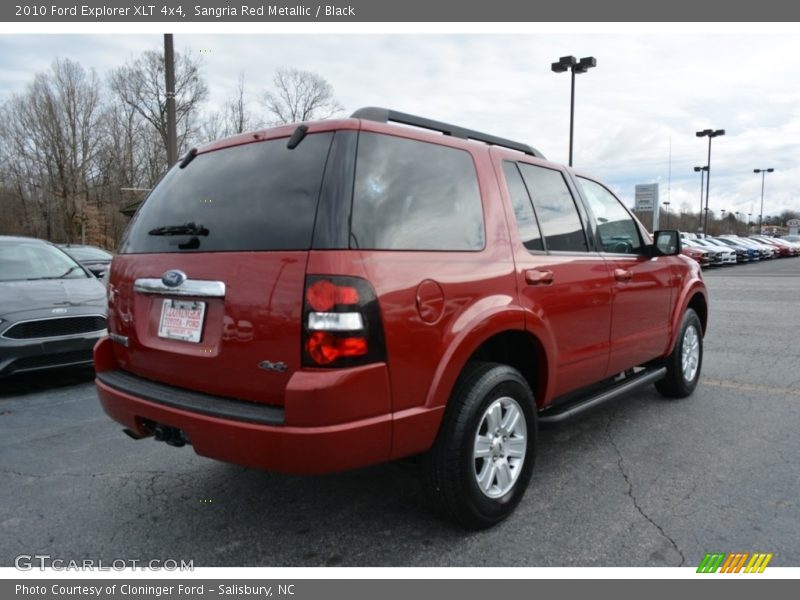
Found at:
[28, 383]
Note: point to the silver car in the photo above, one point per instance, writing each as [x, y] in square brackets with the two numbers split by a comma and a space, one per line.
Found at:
[52, 310]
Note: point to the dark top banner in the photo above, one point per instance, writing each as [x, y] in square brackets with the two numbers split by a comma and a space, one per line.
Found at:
[356, 11]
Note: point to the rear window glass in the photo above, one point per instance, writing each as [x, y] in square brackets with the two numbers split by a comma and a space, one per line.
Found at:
[411, 195]
[259, 196]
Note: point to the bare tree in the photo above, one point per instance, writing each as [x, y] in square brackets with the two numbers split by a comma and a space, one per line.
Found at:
[131, 157]
[300, 96]
[140, 85]
[236, 117]
[213, 127]
[51, 135]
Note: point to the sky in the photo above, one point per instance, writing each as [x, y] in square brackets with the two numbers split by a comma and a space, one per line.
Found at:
[636, 113]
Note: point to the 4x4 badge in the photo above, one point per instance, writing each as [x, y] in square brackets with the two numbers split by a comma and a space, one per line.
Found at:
[173, 278]
[280, 367]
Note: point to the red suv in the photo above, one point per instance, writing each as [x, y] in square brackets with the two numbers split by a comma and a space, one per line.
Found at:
[336, 294]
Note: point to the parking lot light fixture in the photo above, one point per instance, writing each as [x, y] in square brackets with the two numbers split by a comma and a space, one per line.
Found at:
[761, 213]
[702, 171]
[710, 134]
[575, 66]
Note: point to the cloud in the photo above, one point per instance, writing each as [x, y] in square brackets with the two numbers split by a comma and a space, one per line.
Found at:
[636, 113]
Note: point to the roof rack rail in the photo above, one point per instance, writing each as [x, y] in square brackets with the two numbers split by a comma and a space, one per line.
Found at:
[384, 115]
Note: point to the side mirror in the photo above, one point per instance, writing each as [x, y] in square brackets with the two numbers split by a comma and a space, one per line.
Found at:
[666, 243]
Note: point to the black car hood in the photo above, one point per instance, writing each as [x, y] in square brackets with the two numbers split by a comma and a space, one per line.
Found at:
[24, 296]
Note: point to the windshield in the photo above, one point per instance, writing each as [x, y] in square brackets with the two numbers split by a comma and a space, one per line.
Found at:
[88, 253]
[21, 261]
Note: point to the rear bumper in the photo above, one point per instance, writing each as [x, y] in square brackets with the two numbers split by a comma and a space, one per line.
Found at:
[323, 426]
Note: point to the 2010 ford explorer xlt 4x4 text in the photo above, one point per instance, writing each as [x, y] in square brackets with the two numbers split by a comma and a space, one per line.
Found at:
[336, 294]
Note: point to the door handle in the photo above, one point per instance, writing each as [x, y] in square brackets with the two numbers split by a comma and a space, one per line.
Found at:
[538, 277]
[622, 275]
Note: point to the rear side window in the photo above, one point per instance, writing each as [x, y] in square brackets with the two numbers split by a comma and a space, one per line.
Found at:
[555, 207]
[523, 209]
[411, 195]
[259, 196]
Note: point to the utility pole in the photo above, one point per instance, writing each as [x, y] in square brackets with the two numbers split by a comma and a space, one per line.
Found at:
[169, 69]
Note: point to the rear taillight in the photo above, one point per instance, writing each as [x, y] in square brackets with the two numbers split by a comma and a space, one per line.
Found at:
[341, 323]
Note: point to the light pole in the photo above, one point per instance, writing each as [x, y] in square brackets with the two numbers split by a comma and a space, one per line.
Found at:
[709, 133]
[702, 171]
[570, 63]
[761, 214]
[666, 210]
[749, 220]
[736, 226]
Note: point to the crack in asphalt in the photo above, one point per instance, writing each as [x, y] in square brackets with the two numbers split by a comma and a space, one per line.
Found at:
[633, 498]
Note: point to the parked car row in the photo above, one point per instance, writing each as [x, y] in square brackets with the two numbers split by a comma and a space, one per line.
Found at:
[733, 249]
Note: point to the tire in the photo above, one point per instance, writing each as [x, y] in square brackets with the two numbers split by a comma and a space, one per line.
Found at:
[490, 417]
[686, 360]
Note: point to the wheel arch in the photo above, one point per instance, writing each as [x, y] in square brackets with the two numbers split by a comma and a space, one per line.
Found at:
[696, 298]
[511, 345]
[699, 304]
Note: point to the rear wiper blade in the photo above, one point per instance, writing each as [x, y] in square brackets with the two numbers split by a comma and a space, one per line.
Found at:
[185, 229]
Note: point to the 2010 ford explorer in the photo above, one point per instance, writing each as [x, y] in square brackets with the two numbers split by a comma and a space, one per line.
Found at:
[336, 294]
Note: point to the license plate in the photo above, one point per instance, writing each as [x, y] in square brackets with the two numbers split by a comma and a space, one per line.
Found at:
[182, 320]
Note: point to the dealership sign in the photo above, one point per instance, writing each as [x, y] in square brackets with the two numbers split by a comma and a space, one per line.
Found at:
[646, 197]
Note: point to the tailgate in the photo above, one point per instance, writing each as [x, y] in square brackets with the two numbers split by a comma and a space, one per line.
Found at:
[213, 332]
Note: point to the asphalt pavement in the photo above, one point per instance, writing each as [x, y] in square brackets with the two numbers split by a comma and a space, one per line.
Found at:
[641, 482]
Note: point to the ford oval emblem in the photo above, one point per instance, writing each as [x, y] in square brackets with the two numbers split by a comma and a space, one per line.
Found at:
[173, 278]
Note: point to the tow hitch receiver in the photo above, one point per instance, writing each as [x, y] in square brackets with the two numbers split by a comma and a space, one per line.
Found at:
[171, 435]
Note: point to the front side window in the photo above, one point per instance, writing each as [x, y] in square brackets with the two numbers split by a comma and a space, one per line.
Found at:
[556, 209]
[615, 227]
[411, 195]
